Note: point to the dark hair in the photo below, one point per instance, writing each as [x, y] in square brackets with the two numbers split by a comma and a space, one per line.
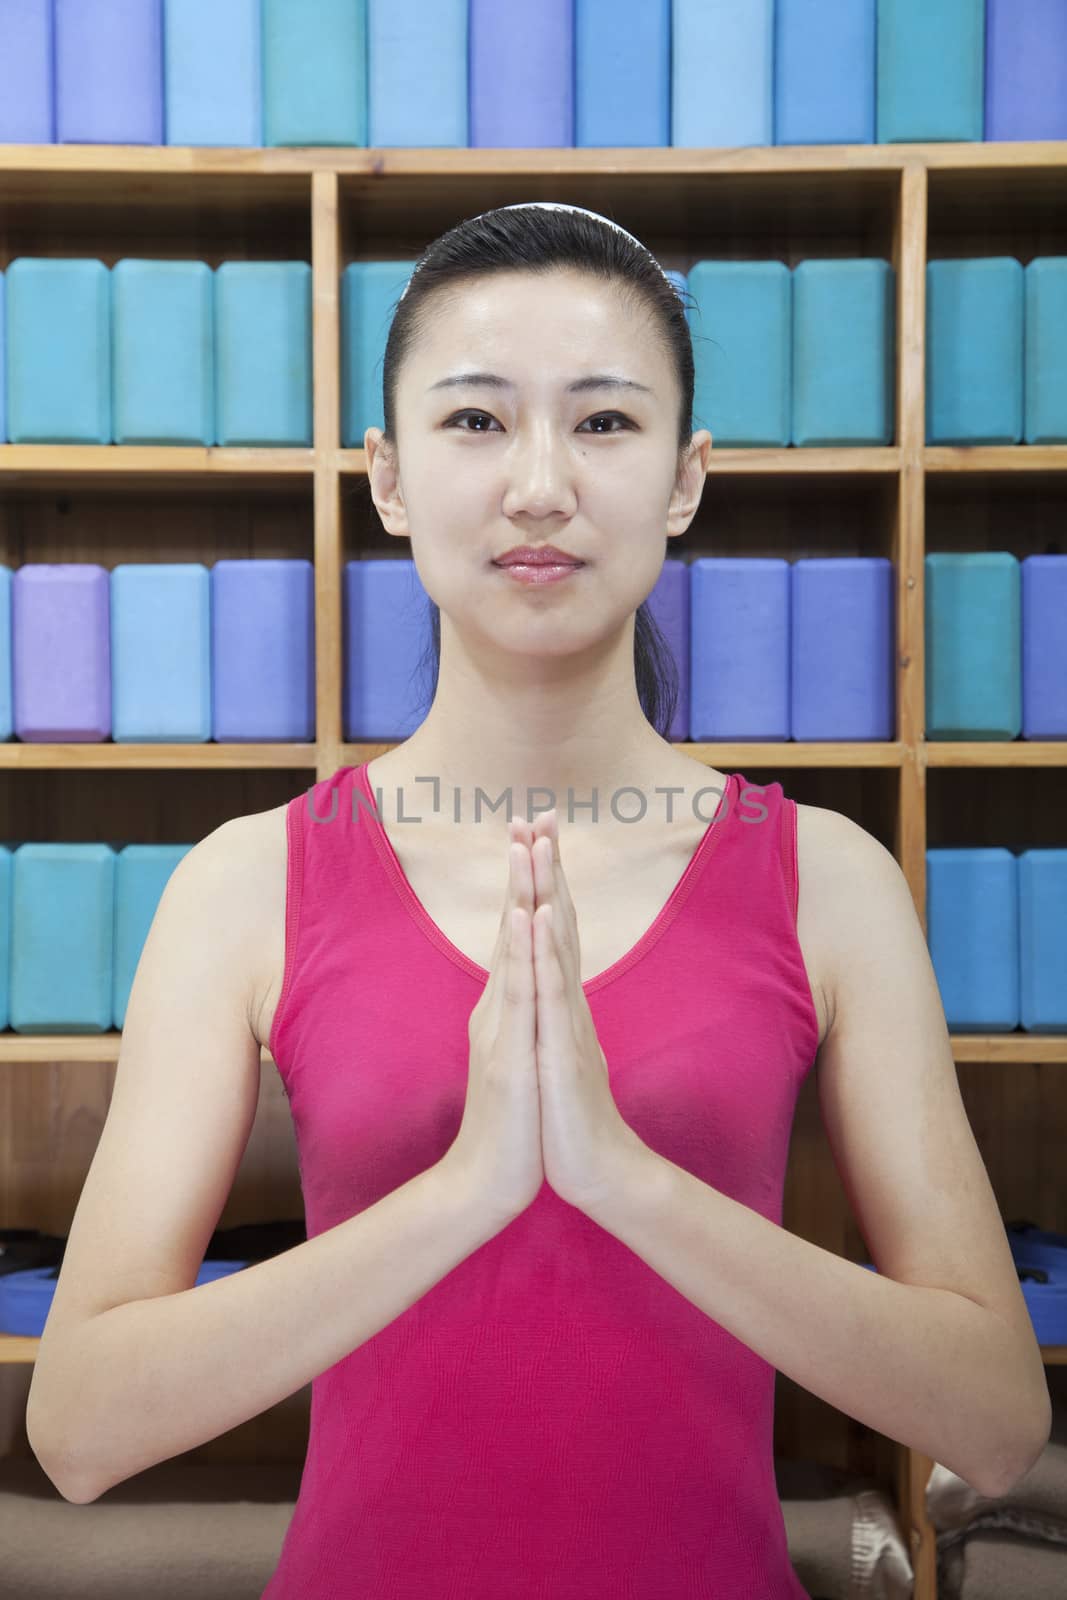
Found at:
[531, 239]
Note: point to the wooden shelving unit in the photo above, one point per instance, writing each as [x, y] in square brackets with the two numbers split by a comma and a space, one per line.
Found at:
[904, 203]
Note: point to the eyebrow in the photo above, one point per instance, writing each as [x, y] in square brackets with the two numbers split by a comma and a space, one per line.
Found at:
[491, 380]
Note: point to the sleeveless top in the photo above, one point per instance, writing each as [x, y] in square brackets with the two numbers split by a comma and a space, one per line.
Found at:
[552, 1420]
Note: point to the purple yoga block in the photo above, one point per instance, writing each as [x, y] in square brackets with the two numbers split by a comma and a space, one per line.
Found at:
[109, 71]
[263, 650]
[1044, 608]
[61, 652]
[1026, 69]
[669, 605]
[26, 87]
[521, 74]
[842, 648]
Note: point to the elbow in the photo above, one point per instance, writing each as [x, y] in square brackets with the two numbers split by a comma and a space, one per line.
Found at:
[58, 1468]
[1016, 1467]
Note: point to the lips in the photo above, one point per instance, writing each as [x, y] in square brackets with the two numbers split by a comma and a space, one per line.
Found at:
[542, 555]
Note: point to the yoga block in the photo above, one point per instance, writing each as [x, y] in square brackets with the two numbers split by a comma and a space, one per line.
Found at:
[58, 330]
[972, 916]
[1045, 361]
[61, 652]
[974, 351]
[212, 72]
[314, 72]
[844, 338]
[843, 635]
[722, 73]
[1043, 940]
[522, 74]
[3, 360]
[743, 351]
[62, 938]
[931, 70]
[973, 628]
[824, 60]
[109, 71]
[263, 353]
[669, 607]
[163, 377]
[161, 652]
[623, 93]
[370, 293]
[386, 632]
[263, 650]
[739, 648]
[417, 73]
[1044, 647]
[27, 94]
[7, 718]
[1026, 69]
[141, 873]
[5, 935]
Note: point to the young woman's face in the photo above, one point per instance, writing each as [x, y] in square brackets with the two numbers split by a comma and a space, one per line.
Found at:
[532, 452]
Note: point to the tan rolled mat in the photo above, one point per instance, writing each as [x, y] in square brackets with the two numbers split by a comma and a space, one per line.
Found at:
[844, 1538]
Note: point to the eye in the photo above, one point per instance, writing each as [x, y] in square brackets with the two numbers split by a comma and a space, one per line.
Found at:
[601, 416]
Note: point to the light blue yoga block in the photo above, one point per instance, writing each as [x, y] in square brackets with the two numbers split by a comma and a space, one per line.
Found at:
[212, 72]
[7, 707]
[742, 327]
[739, 648]
[62, 938]
[824, 67]
[314, 72]
[370, 292]
[1044, 628]
[385, 694]
[1043, 940]
[5, 935]
[1045, 363]
[622, 91]
[973, 645]
[722, 73]
[263, 353]
[972, 918]
[844, 338]
[843, 653]
[931, 70]
[58, 351]
[974, 351]
[417, 85]
[141, 873]
[161, 652]
[162, 318]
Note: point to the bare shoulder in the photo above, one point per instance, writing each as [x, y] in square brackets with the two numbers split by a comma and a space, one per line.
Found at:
[260, 860]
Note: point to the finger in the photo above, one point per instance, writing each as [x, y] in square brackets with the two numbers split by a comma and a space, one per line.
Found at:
[554, 1032]
[564, 929]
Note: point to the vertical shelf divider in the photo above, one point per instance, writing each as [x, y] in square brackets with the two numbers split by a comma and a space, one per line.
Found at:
[326, 353]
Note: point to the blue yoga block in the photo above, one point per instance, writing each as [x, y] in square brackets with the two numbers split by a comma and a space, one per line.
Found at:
[263, 649]
[722, 73]
[739, 648]
[974, 351]
[7, 654]
[27, 94]
[622, 94]
[1026, 69]
[1045, 363]
[742, 323]
[522, 74]
[212, 72]
[62, 938]
[824, 60]
[263, 353]
[61, 654]
[669, 606]
[418, 73]
[843, 648]
[1044, 631]
[5, 935]
[972, 916]
[844, 338]
[931, 70]
[162, 319]
[161, 652]
[1043, 940]
[141, 873]
[109, 71]
[58, 351]
[314, 72]
[370, 292]
[973, 627]
[386, 631]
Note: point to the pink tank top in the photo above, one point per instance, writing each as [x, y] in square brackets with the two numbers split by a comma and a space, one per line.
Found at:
[552, 1420]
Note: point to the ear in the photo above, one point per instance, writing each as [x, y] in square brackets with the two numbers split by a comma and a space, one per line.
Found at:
[690, 486]
[384, 481]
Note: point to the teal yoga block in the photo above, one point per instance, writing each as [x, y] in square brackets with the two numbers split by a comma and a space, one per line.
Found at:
[972, 917]
[163, 315]
[742, 327]
[141, 873]
[844, 336]
[7, 687]
[974, 351]
[1045, 364]
[973, 627]
[370, 292]
[314, 72]
[5, 936]
[58, 326]
[263, 353]
[1043, 940]
[161, 652]
[62, 938]
[931, 70]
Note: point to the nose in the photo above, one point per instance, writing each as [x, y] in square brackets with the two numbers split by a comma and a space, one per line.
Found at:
[540, 472]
